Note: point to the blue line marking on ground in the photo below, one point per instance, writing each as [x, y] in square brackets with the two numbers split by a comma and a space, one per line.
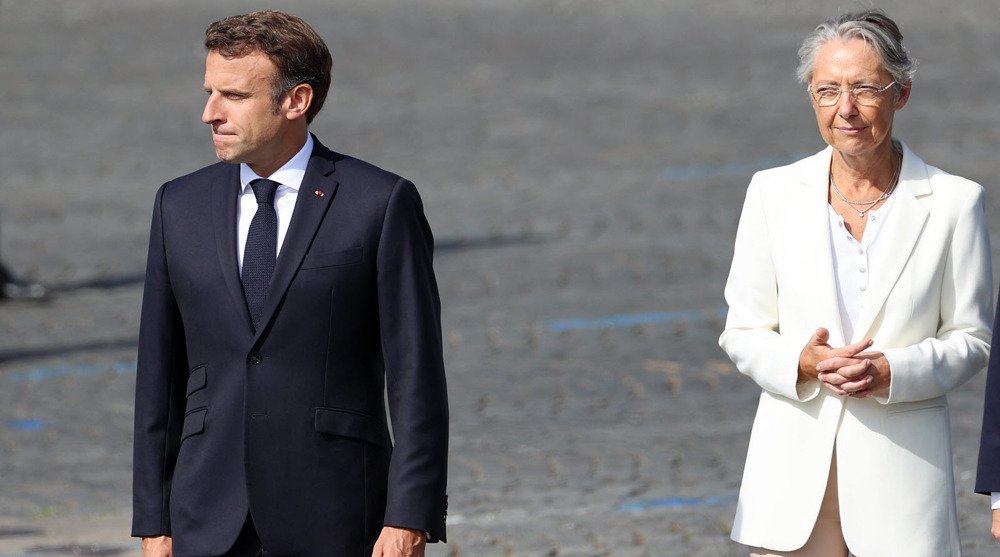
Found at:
[726, 169]
[676, 502]
[53, 372]
[632, 320]
[27, 425]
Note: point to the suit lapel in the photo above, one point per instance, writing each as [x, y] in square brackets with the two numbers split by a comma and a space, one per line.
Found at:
[310, 208]
[897, 239]
[816, 254]
[225, 197]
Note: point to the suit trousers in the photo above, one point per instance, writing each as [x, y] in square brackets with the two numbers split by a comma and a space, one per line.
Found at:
[827, 538]
[248, 543]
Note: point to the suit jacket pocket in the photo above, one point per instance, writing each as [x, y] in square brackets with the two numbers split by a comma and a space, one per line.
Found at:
[347, 423]
[194, 423]
[197, 380]
[332, 258]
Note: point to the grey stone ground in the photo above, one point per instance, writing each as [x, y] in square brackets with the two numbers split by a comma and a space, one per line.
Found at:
[578, 159]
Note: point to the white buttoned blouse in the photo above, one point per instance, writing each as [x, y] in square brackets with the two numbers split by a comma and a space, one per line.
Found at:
[852, 263]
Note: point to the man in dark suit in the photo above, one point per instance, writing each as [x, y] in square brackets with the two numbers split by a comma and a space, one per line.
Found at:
[988, 469]
[288, 288]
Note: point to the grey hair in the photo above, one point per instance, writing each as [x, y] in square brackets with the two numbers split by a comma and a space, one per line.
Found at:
[871, 26]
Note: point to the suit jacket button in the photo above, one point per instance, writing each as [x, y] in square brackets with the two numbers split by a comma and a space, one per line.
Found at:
[255, 358]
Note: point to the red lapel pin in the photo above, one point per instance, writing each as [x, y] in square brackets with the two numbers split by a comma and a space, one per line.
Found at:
[319, 193]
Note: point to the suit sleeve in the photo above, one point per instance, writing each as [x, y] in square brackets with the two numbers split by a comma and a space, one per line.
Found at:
[410, 318]
[961, 346]
[751, 338]
[159, 395]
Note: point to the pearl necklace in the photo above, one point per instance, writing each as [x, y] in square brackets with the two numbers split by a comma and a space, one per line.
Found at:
[890, 187]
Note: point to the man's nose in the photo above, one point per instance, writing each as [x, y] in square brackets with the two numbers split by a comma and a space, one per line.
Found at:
[211, 112]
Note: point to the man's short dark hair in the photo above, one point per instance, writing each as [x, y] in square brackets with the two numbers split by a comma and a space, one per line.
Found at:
[289, 42]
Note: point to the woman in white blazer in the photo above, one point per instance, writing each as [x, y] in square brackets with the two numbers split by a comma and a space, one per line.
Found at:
[859, 295]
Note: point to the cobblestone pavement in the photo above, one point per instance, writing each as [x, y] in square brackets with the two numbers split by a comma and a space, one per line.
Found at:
[582, 162]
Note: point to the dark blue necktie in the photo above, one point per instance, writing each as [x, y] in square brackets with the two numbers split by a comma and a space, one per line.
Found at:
[261, 249]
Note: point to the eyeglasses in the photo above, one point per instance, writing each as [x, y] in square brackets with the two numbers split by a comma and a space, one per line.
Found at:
[865, 95]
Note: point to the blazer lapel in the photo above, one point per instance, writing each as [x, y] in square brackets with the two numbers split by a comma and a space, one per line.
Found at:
[310, 208]
[225, 197]
[816, 253]
[898, 238]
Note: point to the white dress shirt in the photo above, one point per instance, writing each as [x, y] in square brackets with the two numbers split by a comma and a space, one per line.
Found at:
[290, 177]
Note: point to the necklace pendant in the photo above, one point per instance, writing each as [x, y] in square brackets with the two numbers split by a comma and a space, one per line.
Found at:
[861, 214]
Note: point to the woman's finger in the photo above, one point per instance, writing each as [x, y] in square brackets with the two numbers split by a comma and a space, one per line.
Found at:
[857, 386]
[847, 367]
[853, 349]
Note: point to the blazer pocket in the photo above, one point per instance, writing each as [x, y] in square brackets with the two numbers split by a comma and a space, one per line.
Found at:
[922, 406]
[194, 423]
[333, 258]
[197, 380]
[346, 423]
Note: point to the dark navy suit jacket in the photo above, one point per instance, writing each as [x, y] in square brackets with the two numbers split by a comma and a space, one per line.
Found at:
[289, 422]
[988, 472]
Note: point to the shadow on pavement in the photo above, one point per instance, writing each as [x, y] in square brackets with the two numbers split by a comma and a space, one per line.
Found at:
[42, 352]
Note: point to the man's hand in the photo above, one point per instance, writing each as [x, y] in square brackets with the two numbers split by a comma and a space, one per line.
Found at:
[158, 546]
[399, 542]
[995, 530]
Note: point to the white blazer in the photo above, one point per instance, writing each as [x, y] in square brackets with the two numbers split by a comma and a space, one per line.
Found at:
[929, 309]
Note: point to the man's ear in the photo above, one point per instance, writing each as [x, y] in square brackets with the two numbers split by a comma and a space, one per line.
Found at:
[298, 100]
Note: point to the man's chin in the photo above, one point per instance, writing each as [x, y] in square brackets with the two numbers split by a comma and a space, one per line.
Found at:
[227, 156]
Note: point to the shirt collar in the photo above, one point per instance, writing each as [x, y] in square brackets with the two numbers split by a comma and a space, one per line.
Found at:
[290, 174]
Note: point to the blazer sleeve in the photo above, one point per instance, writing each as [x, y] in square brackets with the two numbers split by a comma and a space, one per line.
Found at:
[961, 347]
[159, 395]
[752, 337]
[410, 320]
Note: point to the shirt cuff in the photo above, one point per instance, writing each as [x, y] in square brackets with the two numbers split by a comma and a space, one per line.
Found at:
[995, 500]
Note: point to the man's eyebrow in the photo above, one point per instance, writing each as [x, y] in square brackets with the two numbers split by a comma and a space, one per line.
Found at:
[226, 90]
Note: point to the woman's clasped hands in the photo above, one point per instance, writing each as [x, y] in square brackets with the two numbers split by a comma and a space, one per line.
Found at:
[848, 370]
